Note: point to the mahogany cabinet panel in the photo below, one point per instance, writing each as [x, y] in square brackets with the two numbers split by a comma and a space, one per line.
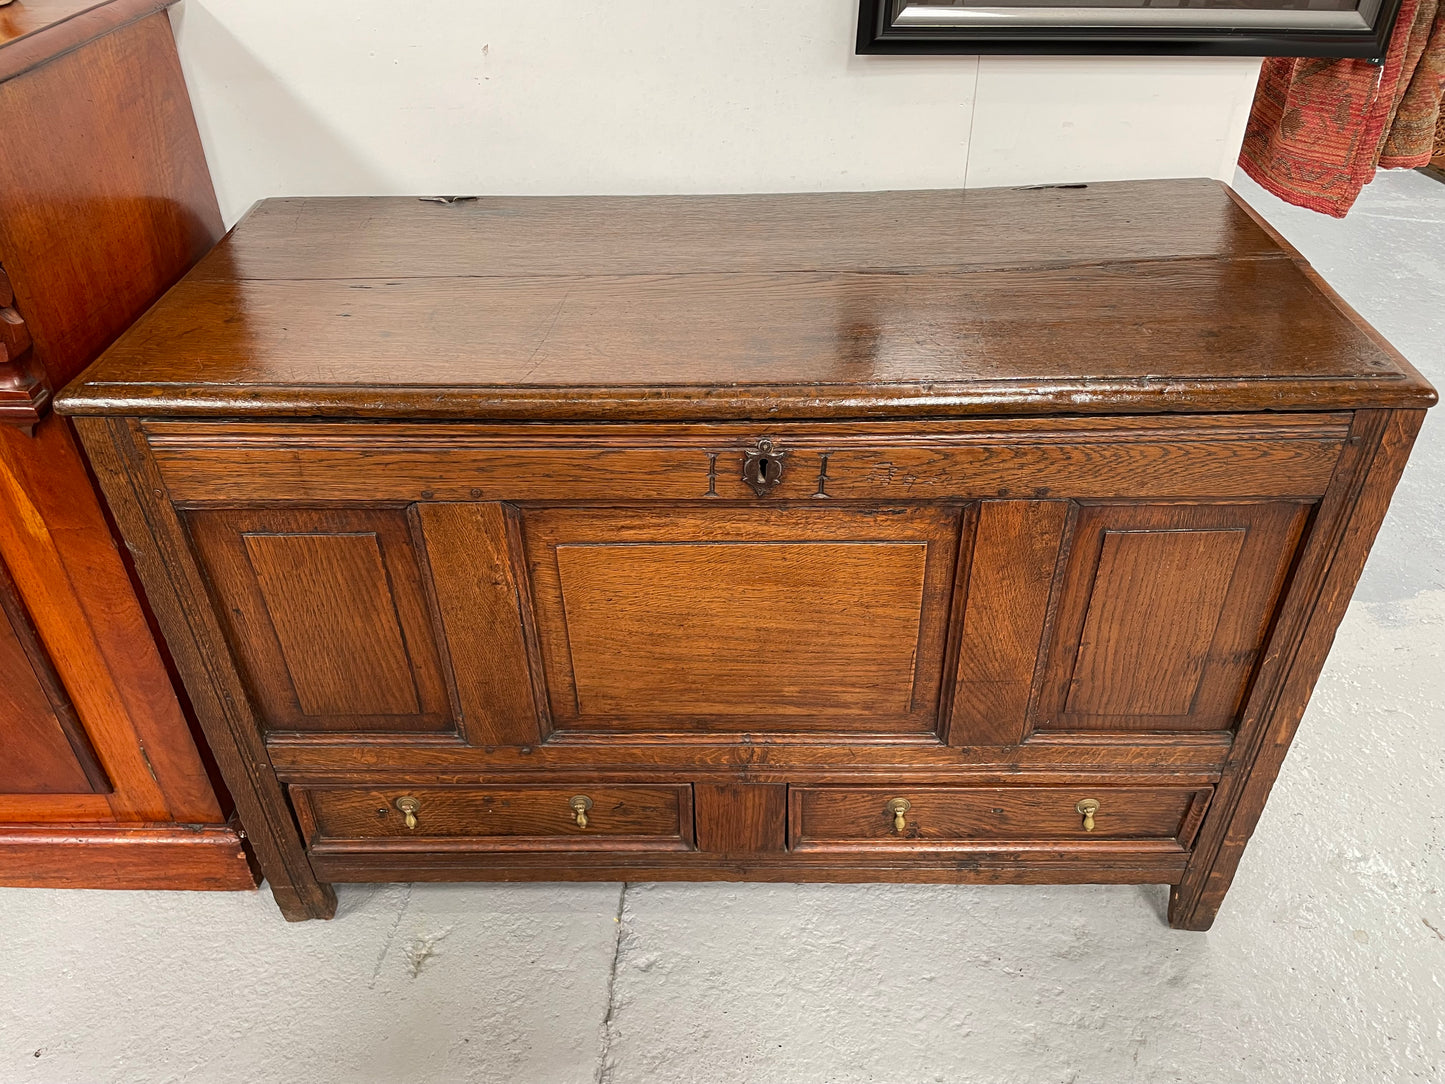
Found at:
[764, 620]
[105, 198]
[962, 817]
[328, 610]
[36, 755]
[105, 201]
[514, 817]
[1163, 613]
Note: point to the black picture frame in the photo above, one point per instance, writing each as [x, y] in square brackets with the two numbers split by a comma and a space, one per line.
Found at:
[910, 26]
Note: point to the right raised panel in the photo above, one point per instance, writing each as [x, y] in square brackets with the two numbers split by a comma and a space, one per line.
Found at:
[1163, 612]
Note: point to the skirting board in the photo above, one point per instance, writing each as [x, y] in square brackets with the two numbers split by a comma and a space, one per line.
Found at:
[143, 856]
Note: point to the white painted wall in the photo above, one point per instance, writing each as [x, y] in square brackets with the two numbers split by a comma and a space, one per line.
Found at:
[308, 97]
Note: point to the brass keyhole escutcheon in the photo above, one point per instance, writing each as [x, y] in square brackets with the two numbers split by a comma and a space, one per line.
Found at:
[1086, 809]
[579, 806]
[898, 807]
[409, 808]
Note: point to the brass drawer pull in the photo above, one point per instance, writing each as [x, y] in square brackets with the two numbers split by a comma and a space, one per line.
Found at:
[579, 806]
[409, 808]
[898, 807]
[1087, 808]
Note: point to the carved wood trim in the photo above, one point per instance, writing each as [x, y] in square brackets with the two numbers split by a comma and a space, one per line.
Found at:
[25, 391]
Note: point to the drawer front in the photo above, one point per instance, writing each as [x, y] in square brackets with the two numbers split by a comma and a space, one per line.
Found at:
[962, 818]
[500, 818]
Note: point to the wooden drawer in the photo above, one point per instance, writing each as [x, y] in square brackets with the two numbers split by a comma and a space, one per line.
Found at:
[963, 818]
[495, 818]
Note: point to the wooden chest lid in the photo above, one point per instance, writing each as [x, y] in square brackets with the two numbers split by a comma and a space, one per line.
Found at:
[1103, 298]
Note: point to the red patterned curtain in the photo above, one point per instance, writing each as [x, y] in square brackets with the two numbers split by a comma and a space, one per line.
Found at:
[1320, 128]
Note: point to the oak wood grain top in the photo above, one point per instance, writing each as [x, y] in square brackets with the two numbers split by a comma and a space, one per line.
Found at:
[1116, 297]
[35, 31]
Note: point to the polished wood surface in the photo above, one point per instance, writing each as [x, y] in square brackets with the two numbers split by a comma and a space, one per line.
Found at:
[1345, 525]
[113, 201]
[938, 231]
[472, 554]
[598, 500]
[33, 32]
[193, 633]
[1010, 576]
[1123, 862]
[45, 747]
[25, 390]
[741, 818]
[104, 202]
[124, 856]
[907, 304]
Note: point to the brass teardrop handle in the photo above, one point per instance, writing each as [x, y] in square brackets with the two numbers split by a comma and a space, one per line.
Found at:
[579, 806]
[1086, 808]
[409, 808]
[898, 807]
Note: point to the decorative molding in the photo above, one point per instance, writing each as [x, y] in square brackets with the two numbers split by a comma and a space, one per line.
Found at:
[25, 392]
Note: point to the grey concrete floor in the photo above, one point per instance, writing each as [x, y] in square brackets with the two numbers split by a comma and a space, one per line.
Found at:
[1327, 964]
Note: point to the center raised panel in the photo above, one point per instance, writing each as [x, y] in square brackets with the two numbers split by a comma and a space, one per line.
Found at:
[740, 620]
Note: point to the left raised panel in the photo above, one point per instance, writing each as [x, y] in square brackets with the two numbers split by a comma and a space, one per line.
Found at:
[327, 612]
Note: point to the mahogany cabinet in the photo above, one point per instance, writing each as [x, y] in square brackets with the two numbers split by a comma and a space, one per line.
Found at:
[945, 536]
[104, 202]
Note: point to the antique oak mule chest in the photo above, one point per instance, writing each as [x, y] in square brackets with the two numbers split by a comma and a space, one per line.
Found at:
[930, 536]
